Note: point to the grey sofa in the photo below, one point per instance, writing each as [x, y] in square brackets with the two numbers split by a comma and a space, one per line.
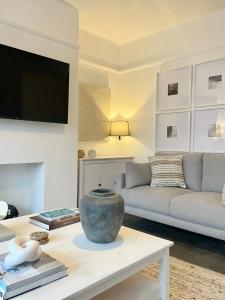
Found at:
[198, 208]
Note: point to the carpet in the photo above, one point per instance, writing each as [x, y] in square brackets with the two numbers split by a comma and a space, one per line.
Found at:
[197, 262]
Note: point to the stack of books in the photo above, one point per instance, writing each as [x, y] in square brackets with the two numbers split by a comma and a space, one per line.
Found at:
[27, 276]
[56, 218]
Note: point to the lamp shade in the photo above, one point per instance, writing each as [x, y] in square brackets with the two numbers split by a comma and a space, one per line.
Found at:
[119, 128]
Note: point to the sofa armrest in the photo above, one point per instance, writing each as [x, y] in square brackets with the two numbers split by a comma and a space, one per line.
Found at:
[120, 181]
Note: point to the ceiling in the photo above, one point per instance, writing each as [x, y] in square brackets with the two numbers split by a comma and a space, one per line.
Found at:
[122, 21]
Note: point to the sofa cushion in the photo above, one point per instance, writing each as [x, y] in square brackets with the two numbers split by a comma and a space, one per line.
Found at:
[223, 195]
[193, 171]
[192, 165]
[167, 170]
[200, 208]
[155, 199]
[213, 172]
[137, 174]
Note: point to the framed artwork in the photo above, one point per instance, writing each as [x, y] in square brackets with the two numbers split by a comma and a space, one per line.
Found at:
[174, 89]
[209, 130]
[173, 131]
[210, 83]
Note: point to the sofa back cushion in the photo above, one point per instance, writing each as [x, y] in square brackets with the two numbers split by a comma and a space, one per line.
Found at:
[192, 165]
[137, 174]
[193, 171]
[213, 172]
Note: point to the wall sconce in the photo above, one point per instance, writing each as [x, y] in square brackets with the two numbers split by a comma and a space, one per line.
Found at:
[119, 128]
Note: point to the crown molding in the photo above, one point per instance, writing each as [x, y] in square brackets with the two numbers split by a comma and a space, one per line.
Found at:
[119, 70]
[38, 33]
[98, 66]
[149, 62]
[98, 63]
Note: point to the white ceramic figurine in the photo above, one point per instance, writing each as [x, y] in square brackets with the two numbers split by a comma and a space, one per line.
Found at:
[22, 250]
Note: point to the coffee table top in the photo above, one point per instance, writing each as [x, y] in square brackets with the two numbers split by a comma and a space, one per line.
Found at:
[88, 263]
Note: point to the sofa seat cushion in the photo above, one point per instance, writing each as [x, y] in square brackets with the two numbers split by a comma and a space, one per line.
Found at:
[156, 199]
[203, 208]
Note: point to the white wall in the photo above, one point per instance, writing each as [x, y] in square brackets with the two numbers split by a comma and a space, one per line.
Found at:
[102, 78]
[51, 18]
[49, 28]
[99, 65]
[136, 103]
[135, 92]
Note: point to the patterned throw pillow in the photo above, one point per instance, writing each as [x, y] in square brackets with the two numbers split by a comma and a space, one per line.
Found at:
[167, 171]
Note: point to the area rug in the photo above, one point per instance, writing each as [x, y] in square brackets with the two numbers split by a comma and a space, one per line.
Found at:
[191, 282]
[197, 262]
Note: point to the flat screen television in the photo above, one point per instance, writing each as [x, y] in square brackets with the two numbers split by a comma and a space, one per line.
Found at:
[33, 87]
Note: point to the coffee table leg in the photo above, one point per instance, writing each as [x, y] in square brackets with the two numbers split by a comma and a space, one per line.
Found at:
[164, 276]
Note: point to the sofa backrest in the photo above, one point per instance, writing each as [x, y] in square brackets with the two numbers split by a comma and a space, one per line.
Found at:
[192, 168]
[213, 172]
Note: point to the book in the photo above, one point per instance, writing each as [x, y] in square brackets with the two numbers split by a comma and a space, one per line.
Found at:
[50, 225]
[29, 275]
[34, 285]
[56, 214]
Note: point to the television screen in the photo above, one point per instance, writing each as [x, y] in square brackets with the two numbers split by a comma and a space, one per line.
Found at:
[33, 87]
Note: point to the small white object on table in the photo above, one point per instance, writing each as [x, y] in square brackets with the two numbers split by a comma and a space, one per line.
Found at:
[95, 268]
[22, 250]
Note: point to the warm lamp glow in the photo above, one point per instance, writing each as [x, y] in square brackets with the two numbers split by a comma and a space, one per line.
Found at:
[119, 128]
[218, 130]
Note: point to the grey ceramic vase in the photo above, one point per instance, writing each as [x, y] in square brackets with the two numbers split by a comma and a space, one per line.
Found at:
[101, 215]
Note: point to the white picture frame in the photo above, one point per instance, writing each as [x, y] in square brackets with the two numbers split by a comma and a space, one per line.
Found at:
[174, 89]
[173, 131]
[210, 83]
[209, 130]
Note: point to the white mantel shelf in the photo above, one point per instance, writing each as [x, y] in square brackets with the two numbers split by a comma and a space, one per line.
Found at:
[106, 157]
[22, 162]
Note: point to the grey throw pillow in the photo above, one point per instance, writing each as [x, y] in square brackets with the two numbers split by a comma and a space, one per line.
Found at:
[137, 174]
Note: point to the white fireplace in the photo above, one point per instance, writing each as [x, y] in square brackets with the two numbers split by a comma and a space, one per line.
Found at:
[22, 185]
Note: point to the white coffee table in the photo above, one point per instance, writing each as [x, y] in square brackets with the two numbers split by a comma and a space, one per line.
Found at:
[95, 268]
